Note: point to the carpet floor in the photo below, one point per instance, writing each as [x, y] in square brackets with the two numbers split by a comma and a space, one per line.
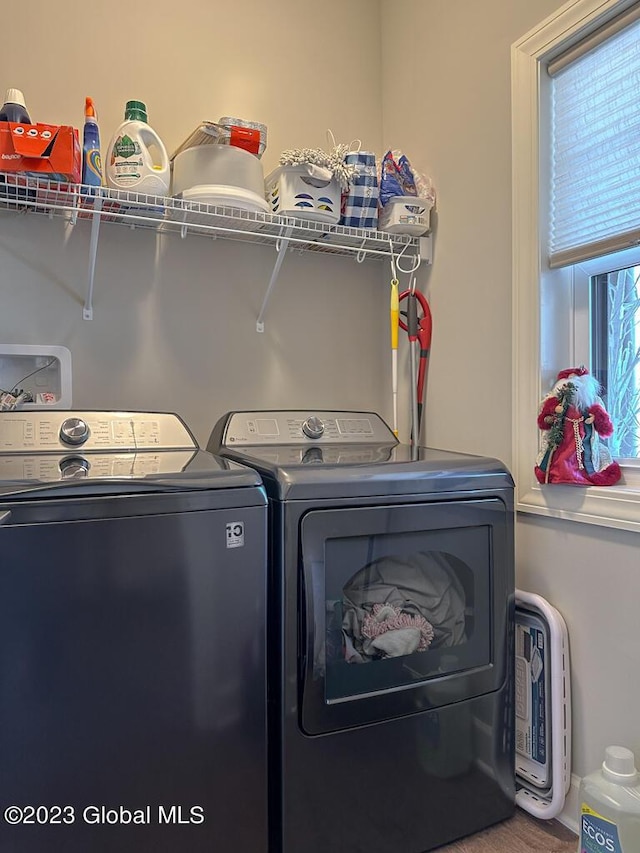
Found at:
[521, 834]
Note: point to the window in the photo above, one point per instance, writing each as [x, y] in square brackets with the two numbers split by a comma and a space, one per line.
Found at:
[614, 331]
[576, 296]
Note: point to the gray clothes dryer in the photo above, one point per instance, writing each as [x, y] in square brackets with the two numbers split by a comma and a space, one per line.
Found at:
[390, 633]
[132, 638]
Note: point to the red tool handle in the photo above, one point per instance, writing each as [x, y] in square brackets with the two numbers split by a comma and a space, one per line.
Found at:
[422, 299]
[423, 336]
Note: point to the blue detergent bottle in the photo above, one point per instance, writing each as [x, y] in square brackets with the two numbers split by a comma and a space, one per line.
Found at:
[91, 160]
[14, 108]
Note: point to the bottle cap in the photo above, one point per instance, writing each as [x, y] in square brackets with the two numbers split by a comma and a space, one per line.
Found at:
[135, 111]
[619, 765]
[15, 96]
[89, 109]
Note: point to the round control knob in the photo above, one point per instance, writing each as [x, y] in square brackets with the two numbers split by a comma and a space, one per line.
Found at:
[313, 427]
[74, 468]
[74, 431]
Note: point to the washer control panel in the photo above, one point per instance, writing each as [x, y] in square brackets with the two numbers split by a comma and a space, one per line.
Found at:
[58, 431]
[263, 428]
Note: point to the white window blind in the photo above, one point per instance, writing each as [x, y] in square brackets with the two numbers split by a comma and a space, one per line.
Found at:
[595, 169]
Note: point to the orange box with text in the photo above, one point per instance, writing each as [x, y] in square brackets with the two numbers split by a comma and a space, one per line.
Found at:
[47, 151]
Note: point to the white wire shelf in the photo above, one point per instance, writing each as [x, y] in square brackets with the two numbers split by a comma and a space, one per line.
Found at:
[172, 215]
[75, 201]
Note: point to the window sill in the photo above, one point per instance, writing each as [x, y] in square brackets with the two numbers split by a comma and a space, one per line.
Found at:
[612, 506]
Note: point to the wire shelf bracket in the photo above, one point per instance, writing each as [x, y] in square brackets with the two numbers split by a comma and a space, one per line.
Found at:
[87, 311]
[281, 248]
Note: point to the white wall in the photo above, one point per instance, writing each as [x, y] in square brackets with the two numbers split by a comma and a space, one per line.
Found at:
[281, 63]
[452, 115]
[174, 320]
[591, 574]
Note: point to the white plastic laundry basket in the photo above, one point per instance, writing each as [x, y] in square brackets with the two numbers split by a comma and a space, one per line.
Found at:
[306, 192]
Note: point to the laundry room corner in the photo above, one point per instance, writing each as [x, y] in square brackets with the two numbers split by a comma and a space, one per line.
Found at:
[458, 57]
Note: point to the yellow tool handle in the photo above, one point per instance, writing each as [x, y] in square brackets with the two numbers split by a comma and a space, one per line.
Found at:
[395, 313]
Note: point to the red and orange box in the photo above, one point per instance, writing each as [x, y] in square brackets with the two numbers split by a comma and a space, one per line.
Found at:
[46, 151]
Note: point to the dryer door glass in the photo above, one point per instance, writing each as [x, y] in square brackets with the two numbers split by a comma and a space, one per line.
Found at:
[402, 606]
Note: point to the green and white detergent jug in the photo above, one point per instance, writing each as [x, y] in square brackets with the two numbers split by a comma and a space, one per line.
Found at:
[137, 160]
[610, 805]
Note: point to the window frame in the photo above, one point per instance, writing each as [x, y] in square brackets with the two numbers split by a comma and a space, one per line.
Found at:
[539, 350]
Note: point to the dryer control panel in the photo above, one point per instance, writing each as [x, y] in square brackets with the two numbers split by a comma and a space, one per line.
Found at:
[300, 426]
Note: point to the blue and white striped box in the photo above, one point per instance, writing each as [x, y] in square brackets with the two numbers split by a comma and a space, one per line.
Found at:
[360, 204]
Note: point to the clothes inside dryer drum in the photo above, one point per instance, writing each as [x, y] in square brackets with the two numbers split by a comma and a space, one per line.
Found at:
[421, 588]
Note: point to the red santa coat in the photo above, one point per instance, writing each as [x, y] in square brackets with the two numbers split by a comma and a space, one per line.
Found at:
[580, 458]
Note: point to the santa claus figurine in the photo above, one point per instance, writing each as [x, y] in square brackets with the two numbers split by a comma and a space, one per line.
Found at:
[574, 420]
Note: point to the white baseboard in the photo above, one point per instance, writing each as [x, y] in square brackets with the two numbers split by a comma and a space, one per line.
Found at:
[569, 816]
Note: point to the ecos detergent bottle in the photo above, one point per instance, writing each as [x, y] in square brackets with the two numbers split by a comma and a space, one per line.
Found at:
[610, 805]
[137, 160]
